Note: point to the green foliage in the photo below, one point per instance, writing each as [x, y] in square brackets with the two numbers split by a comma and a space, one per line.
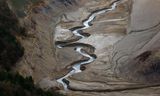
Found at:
[15, 85]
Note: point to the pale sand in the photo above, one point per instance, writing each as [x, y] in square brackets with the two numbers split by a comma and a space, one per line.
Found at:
[145, 14]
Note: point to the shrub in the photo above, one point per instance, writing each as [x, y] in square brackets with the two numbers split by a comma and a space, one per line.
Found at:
[15, 85]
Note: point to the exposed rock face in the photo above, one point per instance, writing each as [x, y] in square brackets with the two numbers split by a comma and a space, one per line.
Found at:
[123, 60]
[107, 29]
[40, 20]
[125, 40]
[137, 55]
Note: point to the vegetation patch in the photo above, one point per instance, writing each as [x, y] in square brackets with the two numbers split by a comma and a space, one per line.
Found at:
[15, 85]
[10, 48]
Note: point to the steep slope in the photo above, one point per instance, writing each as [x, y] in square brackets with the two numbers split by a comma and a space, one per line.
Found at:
[125, 41]
[10, 49]
[107, 29]
[138, 52]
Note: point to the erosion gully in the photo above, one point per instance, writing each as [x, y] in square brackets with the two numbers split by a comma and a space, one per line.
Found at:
[78, 32]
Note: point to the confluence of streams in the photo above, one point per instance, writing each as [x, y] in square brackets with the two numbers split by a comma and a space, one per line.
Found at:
[77, 31]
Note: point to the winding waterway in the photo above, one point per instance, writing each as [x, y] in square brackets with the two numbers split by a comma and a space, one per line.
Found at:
[77, 31]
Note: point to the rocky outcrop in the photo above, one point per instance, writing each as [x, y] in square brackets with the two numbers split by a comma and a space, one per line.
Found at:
[40, 19]
[137, 55]
[106, 30]
[126, 48]
[125, 40]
